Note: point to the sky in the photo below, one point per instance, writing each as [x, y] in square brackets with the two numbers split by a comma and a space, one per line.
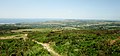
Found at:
[67, 9]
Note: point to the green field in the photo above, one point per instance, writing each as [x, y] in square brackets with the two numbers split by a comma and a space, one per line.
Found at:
[85, 38]
[81, 42]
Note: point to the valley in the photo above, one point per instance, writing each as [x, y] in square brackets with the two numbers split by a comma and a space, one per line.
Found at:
[60, 38]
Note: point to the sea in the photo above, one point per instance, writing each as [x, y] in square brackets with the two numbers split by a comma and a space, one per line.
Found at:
[24, 20]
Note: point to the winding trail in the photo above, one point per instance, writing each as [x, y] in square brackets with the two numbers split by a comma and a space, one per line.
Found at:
[47, 47]
[24, 36]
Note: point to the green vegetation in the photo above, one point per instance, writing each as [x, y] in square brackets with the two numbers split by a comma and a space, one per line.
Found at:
[81, 42]
[67, 38]
[19, 47]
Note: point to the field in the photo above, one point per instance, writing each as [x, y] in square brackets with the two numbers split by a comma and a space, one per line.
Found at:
[68, 38]
[81, 42]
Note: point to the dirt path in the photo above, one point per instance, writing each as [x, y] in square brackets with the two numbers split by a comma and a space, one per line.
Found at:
[24, 36]
[15, 37]
[113, 41]
[47, 47]
[10, 37]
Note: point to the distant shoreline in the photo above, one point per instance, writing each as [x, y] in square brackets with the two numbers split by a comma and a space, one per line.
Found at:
[7, 23]
[14, 21]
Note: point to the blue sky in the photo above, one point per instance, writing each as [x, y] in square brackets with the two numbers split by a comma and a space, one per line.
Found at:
[68, 9]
